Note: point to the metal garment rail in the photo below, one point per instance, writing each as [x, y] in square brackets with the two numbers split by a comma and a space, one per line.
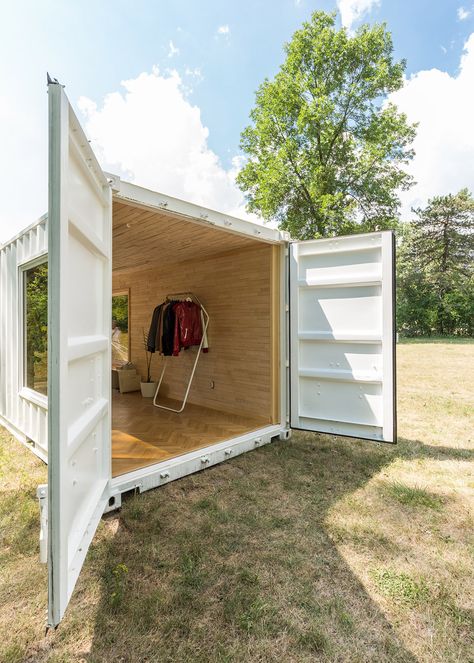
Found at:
[183, 296]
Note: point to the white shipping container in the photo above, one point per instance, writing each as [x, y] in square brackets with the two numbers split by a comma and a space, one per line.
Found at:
[301, 336]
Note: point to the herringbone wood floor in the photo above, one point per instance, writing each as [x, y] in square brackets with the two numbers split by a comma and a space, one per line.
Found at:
[144, 435]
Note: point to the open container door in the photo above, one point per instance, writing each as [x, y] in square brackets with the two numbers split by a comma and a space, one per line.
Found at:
[342, 345]
[79, 300]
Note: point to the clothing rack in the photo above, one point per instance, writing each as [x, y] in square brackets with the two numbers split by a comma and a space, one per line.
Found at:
[183, 296]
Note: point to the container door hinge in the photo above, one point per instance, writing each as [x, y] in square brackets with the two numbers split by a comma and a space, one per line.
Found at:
[42, 495]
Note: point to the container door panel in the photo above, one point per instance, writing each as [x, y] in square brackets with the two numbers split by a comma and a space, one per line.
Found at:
[80, 296]
[342, 336]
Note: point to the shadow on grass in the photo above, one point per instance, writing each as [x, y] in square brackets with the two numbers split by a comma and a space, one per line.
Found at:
[237, 563]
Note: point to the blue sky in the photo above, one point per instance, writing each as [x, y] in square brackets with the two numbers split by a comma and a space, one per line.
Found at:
[219, 53]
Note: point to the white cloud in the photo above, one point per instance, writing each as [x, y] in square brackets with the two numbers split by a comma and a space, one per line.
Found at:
[194, 72]
[352, 10]
[463, 13]
[150, 134]
[173, 50]
[223, 30]
[442, 104]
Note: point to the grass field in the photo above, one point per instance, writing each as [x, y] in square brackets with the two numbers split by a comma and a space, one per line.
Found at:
[317, 549]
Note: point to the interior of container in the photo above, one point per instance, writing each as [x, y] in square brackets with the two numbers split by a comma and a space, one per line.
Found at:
[235, 386]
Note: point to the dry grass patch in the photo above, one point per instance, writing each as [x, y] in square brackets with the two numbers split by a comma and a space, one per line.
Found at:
[320, 549]
[435, 393]
[22, 578]
[408, 532]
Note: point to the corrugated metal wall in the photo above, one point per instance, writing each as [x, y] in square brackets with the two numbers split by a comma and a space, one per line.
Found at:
[25, 418]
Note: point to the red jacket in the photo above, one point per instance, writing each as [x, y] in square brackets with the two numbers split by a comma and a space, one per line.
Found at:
[188, 327]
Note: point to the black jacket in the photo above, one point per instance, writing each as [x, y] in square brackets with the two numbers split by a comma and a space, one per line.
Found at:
[152, 344]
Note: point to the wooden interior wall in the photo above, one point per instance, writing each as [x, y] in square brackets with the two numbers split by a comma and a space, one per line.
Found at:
[236, 288]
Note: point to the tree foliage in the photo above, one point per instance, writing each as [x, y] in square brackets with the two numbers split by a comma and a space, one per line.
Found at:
[436, 268]
[120, 311]
[37, 310]
[36, 318]
[325, 151]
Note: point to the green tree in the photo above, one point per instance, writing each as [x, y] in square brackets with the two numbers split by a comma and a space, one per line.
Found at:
[120, 311]
[325, 150]
[436, 268]
[36, 317]
[416, 302]
[37, 307]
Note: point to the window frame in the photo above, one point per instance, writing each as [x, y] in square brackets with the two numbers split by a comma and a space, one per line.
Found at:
[24, 391]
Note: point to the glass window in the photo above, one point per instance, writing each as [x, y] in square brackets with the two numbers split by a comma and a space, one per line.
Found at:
[36, 328]
[120, 338]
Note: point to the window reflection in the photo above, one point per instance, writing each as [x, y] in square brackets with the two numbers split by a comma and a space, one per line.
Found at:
[120, 340]
[36, 328]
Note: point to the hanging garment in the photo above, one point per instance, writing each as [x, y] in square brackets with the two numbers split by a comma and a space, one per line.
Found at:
[176, 325]
[169, 317]
[187, 327]
[154, 326]
[159, 333]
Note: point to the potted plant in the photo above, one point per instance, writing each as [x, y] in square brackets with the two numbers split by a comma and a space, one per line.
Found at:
[148, 387]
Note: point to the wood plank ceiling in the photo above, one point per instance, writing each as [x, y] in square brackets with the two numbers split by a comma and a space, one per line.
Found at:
[143, 239]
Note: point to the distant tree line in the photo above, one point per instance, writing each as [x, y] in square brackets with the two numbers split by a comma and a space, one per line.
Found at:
[435, 268]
